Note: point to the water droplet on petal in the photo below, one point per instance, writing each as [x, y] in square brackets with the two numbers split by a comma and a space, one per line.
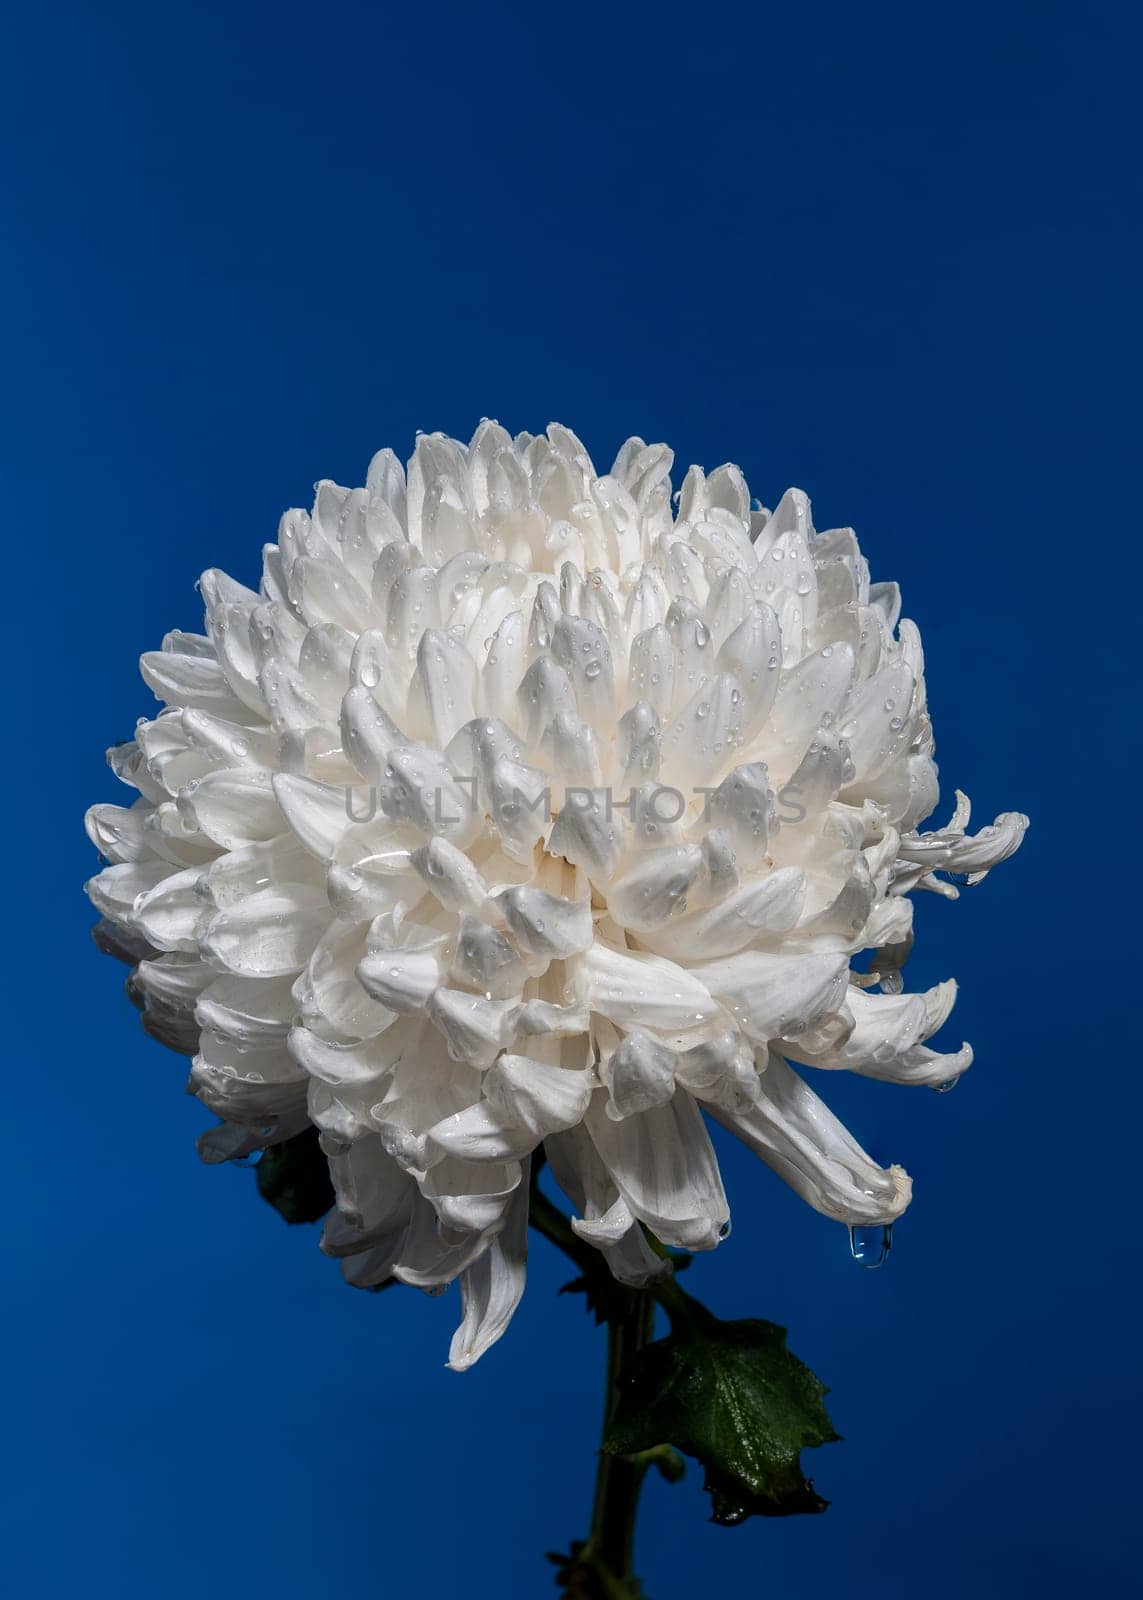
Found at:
[870, 1247]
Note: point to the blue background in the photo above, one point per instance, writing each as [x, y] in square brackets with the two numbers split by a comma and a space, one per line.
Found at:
[887, 253]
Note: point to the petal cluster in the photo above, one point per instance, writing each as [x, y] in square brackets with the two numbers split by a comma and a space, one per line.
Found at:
[524, 807]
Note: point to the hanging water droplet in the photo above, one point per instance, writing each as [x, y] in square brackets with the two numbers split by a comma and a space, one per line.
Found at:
[949, 1083]
[870, 1247]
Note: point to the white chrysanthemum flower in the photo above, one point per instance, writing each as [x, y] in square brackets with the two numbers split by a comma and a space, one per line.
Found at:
[512, 810]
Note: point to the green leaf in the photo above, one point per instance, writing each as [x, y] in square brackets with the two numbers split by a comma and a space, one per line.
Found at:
[294, 1177]
[732, 1395]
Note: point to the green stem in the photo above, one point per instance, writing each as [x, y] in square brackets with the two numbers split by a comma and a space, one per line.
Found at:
[618, 1480]
[601, 1567]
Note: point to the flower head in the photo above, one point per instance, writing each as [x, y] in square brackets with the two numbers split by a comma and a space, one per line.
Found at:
[514, 810]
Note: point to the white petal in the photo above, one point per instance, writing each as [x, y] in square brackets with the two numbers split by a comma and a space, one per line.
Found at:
[486, 960]
[519, 800]
[545, 690]
[368, 732]
[777, 996]
[719, 1071]
[417, 786]
[449, 874]
[267, 936]
[755, 910]
[588, 834]
[655, 887]
[316, 812]
[810, 694]
[701, 740]
[572, 750]
[638, 1074]
[637, 990]
[492, 1287]
[823, 771]
[753, 654]
[230, 743]
[364, 1064]
[547, 925]
[172, 914]
[328, 994]
[665, 1169]
[878, 721]
[605, 1219]
[952, 850]
[373, 1193]
[582, 650]
[247, 1011]
[403, 980]
[117, 832]
[803, 1141]
[743, 803]
[504, 668]
[887, 1039]
[542, 1097]
[475, 1029]
[639, 744]
[177, 979]
[651, 676]
[470, 1196]
[323, 591]
[192, 680]
[447, 676]
[115, 890]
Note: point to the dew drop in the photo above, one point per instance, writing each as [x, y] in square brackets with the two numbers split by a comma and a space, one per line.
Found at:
[870, 1247]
